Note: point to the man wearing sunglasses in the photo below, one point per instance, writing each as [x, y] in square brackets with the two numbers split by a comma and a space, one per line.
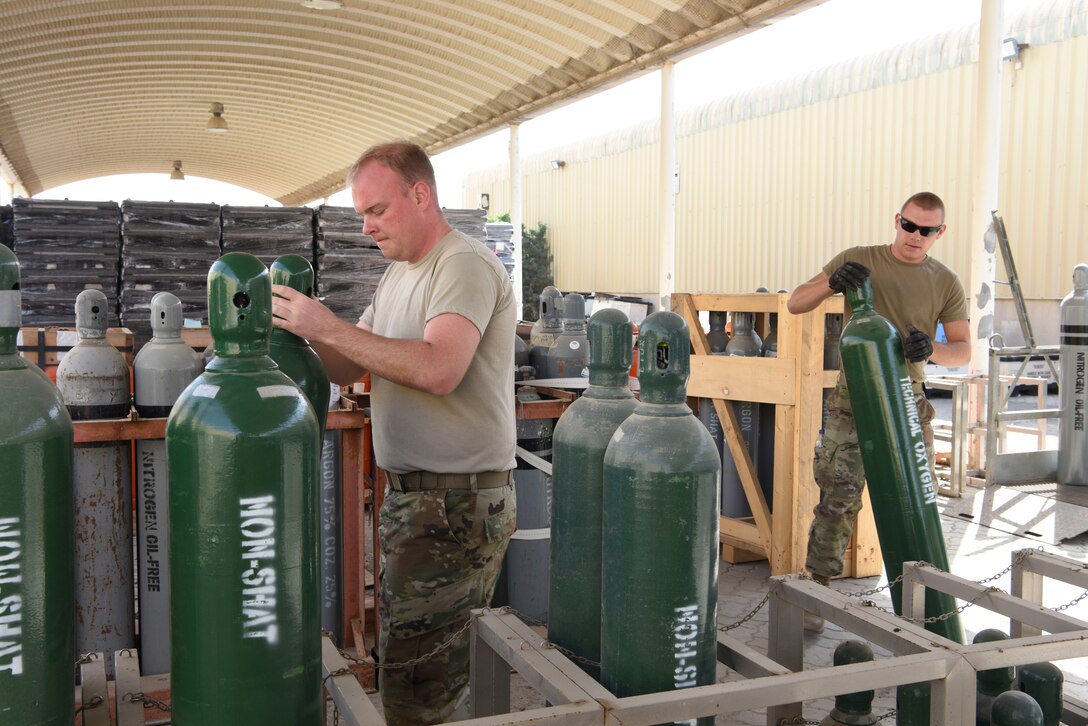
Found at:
[915, 292]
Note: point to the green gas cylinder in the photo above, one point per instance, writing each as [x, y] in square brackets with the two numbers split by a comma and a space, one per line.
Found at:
[243, 448]
[659, 587]
[1043, 682]
[852, 709]
[901, 481]
[992, 682]
[579, 442]
[37, 570]
[293, 354]
[1014, 708]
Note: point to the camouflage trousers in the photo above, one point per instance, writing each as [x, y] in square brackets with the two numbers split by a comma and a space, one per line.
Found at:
[441, 555]
[839, 473]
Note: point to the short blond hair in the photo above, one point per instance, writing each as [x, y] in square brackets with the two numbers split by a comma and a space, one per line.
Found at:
[408, 160]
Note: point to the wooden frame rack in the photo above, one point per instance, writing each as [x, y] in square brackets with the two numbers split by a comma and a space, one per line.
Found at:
[793, 383]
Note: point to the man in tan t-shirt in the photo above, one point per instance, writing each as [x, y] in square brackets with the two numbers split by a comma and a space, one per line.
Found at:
[915, 292]
[438, 340]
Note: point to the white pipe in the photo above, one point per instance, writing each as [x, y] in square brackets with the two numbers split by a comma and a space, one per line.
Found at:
[668, 188]
[515, 210]
[984, 198]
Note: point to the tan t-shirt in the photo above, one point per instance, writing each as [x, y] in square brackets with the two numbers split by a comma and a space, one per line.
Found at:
[908, 294]
[471, 430]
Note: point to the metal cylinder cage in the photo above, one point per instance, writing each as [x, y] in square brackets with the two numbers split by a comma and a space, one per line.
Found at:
[775, 681]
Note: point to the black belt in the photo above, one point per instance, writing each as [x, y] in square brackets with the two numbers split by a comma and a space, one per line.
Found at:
[418, 481]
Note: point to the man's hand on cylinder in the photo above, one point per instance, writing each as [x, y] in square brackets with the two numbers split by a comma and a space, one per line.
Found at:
[300, 314]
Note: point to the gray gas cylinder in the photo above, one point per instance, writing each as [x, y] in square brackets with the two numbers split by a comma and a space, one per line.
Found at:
[93, 380]
[1072, 436]
[832, 358]
[163, 368]
[521, 352]
[717, 339]
[547, 326]
[569, 355]
[745, 342]
[765, 460]
[524, 578]
[330, 532]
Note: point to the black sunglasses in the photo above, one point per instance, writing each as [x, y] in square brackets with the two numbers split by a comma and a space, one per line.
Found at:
[910, 227]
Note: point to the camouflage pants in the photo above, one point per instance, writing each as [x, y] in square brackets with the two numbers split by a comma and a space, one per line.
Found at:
[839, 473]
[441, 556]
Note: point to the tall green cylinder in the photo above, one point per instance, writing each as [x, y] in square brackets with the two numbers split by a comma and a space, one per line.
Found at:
[901, 482]
[243, 443]
[992, 682]
[660, 549]
[37, 543]
[292, 353]
[1044, 682]
[579, 442]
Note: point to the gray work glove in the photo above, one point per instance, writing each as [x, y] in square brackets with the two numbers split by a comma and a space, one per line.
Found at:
[917, 347]
[849, 276]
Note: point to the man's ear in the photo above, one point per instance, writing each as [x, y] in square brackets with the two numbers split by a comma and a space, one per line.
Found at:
[421, 193]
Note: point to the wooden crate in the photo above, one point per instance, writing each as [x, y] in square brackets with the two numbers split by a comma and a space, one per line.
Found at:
[46, 346]
[197, 338]
[793, 383]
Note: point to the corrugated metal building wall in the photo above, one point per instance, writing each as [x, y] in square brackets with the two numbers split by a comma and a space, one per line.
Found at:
[774, 182]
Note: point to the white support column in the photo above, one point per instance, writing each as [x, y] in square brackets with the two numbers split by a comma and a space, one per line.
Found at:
[515, 209]
[986, 155]
[12, 185]
[669, 180]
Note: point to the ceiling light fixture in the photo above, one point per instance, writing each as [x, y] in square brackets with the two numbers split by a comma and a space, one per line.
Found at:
[177, 174]
[322, 4]
[217, 124]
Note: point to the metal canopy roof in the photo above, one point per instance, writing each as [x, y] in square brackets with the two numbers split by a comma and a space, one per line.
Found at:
[96, 87]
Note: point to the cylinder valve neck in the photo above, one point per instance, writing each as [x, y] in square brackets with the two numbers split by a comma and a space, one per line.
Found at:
[92, 314]
[551, 304]
[610, 351]
[1080, 278]
[574, 313]
[743, 323]
[166, 315]
[239, 305]
[862, 298]
[295, 272]
[663, 358]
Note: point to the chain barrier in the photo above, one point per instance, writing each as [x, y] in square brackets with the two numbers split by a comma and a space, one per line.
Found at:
[140, 697]
[93, 703]
[1020, 557]
[1072, 602]
[810, 722]
[751, 614]
[443, 646]
[85, 658]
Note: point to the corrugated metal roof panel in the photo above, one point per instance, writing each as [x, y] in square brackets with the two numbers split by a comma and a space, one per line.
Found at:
[102, 87]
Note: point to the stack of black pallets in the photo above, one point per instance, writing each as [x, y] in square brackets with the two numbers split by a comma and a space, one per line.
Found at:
[269, 232]
[65, 247]
[349, 263]
[167, 247]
